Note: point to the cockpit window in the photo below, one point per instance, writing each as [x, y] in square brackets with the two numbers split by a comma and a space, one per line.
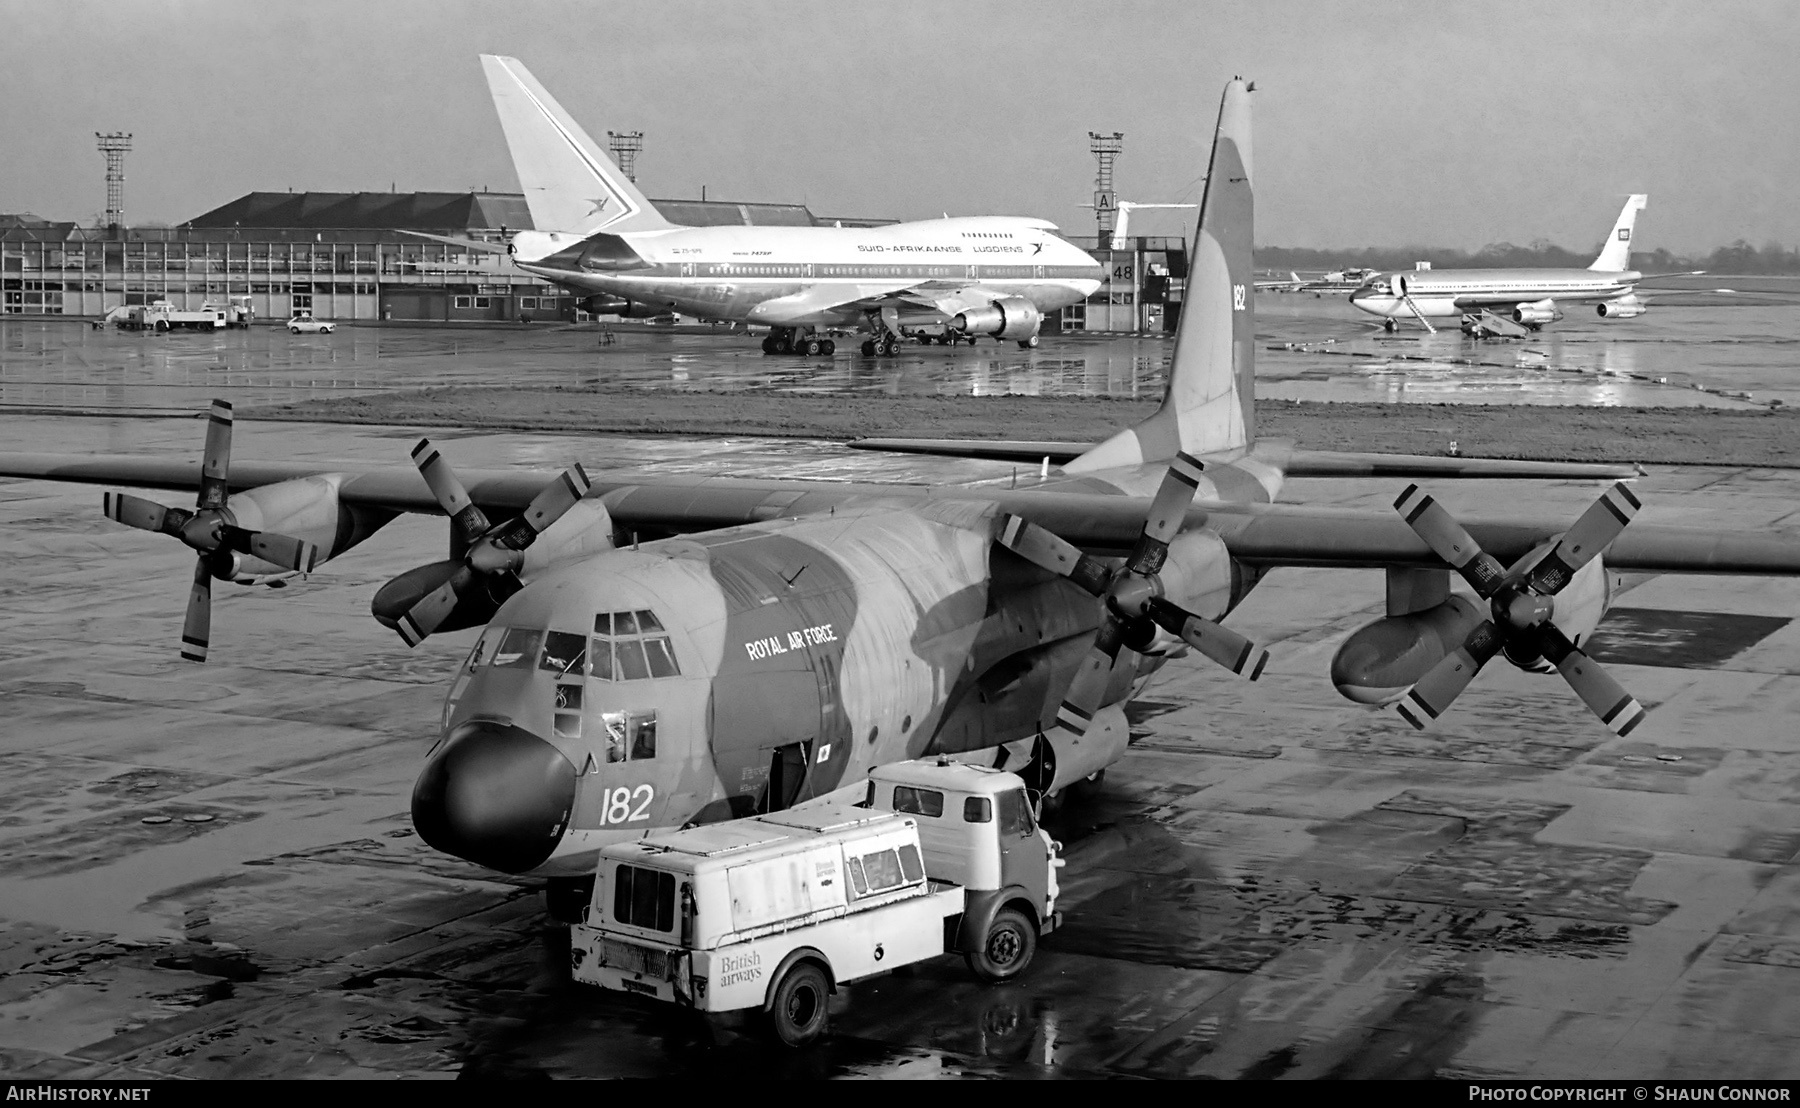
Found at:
[563, 653]
[630, 646]
[518, 649]
[484, 649]
[630, 736]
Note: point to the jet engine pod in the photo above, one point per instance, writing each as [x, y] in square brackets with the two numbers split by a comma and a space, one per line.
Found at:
[619, 306]
[1623, 308]
[1010, 317]
[1537, 312]
[1381, 660]
[1059, 758]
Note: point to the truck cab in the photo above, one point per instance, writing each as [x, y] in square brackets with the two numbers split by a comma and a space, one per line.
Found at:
[978, 830]
[773, 912]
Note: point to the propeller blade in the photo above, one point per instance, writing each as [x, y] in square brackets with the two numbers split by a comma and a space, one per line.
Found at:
[1050, 551]
[1605, 697]
[558, 497]
[215, 467]
[429, 613]
[196, 628]
[146, 515]
[1431, 695]
[1597, 527]
[1223, 645]
[1447, 539]
[450, 494]
[1088, 685]
[1172, 498]
[281, 550]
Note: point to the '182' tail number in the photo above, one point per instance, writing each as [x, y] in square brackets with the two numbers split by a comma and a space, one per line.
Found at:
[627, 805]
[1237, 298]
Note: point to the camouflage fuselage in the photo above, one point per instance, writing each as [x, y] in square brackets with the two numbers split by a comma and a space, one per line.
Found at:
[799, 654]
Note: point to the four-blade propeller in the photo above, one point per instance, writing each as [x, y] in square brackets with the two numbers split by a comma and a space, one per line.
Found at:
[211, 530]
[494, 552]
[1521, 606]
[1133, 594]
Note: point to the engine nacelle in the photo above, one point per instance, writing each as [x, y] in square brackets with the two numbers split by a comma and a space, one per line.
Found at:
[1380, 661]
[1576, 610]
[1623, 308]
[1010, 317]
[586, 528]
[1058, 759]
[619, 306]
[1536, 312]
[304, 508]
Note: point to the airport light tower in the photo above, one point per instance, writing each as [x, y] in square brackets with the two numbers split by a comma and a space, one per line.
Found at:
[1106, 203]
[625, 147]
[114, 146]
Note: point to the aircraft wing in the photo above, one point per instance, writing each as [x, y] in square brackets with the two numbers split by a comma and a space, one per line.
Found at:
[936, 295]
[1294, 463]
[1263, 534]
[466, 244]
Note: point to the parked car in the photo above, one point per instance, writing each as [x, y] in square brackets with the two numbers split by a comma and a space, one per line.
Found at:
[305, 324]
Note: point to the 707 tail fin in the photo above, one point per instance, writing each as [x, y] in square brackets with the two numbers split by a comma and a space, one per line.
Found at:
[1616, 254]
[569, 184]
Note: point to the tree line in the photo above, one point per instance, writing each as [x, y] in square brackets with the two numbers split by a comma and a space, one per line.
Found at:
[1739, 257]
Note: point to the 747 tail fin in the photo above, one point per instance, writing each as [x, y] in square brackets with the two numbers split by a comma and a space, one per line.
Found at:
[569, 184]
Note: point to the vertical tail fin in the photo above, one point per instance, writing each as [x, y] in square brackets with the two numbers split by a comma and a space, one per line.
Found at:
[1616, 254]
[1210, 406]
[569, 184]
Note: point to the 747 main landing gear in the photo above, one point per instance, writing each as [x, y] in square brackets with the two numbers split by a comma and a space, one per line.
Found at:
[790, 340]
[886, 344]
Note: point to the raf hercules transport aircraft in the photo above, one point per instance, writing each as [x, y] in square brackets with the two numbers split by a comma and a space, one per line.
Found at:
[598, 235]
[784, 637]
[1525, 298]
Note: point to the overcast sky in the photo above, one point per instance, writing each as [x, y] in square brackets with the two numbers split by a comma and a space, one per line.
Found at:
[1378, 123]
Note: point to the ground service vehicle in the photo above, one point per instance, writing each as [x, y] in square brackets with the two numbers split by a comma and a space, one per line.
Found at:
[164, 316]
[309, 325]
[774, 912]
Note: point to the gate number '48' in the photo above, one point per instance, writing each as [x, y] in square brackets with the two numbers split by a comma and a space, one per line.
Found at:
[620, 807]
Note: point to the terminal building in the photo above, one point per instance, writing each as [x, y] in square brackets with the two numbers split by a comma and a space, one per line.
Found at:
[347, 256]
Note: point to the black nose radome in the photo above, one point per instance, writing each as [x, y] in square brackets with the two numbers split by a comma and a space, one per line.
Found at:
[496, 795]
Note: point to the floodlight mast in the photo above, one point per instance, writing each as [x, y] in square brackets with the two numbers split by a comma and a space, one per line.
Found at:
[625, 148]
[1106, 204]
[113, 147]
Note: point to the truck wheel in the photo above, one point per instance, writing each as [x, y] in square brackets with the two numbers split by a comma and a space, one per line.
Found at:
[800, 1005]
[1006, 950]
